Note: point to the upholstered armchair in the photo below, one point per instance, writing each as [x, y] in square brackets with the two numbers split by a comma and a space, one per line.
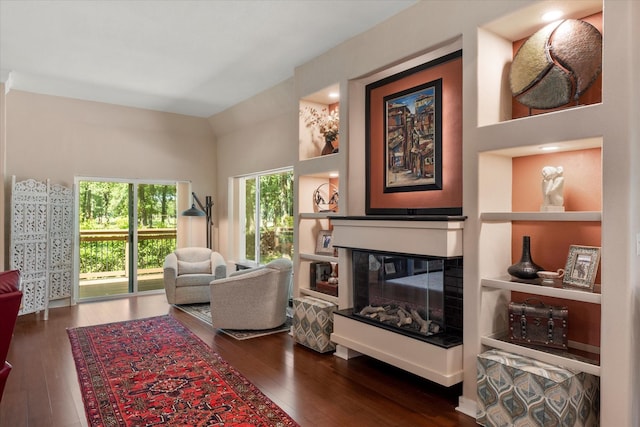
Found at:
[10, 298]
[188, 272]
[255, 298]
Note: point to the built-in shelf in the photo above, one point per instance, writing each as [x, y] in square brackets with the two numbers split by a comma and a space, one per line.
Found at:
[318, 166]
[317, 215]
[543, 290]
[571, 359]
[541, 216]
[314, 257]
[319, 295]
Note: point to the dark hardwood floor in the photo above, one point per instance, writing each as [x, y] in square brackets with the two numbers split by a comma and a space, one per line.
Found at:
[315, 389]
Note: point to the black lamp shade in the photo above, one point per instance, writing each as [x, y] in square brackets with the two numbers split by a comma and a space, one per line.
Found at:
[193, 211]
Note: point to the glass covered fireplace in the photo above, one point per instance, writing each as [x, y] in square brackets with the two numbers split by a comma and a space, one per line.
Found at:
[418, 296]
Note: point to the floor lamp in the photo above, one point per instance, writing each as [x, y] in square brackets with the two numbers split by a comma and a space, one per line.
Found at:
[205, 210]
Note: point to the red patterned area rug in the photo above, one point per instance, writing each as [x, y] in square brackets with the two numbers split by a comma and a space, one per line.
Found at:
[154, 371]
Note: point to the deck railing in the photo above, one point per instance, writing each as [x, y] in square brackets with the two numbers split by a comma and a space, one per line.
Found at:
[105, 253]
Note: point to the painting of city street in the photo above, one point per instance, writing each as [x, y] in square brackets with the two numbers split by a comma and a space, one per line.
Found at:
[413, 139]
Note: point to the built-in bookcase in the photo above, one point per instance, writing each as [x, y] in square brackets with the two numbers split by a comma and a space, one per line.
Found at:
[312, 171]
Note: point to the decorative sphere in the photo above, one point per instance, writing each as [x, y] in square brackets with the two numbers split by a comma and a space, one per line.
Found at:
[557, 64]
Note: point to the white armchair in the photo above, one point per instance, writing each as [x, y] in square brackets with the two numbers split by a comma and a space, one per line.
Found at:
[255, 298]
[188, 272]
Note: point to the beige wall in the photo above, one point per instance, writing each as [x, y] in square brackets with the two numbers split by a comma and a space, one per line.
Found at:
[3, 128]
[257, 135]
[634, 195]
[56, 138]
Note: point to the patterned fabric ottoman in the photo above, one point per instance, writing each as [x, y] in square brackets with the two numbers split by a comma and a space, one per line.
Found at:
[313, 323]
[518, 391]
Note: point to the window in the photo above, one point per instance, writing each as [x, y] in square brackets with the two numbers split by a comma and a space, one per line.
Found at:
[266, 215]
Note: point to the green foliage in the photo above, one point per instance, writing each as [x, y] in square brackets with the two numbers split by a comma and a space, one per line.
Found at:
[99, 257]
[105, 206]
[152, 252]
[276, 199]
[276, 215]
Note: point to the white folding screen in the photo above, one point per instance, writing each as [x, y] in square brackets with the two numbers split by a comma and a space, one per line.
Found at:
[41, 242]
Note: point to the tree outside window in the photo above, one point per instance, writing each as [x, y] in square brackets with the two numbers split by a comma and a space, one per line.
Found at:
[268, 231]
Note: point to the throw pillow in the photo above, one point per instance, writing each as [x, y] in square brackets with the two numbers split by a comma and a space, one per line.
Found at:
[201, 267]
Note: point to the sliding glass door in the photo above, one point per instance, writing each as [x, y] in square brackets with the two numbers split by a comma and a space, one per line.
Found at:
[126, 229]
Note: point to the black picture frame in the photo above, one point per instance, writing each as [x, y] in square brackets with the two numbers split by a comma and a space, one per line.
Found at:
[441, 194]
[319, 272]
[413, 139]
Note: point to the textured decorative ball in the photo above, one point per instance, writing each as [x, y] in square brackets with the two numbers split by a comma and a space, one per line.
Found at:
[557, 64]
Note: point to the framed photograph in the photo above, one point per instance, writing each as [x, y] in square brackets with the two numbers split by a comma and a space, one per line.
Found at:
[390, 268]
[320, 271]
[413, 140]
[324, 243]
[582, 266]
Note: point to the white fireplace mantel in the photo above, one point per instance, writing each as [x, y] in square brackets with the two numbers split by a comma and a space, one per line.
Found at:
[441, 237]
[407, 236]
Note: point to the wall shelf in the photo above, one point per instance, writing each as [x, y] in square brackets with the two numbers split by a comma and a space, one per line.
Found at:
[540, 216]
[319, 295]
[568, 359]
[548, 291]
[317, 215]
[321, 258]
[318, 166]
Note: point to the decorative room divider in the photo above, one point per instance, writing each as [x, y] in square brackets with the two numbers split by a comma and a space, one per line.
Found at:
[41, 242]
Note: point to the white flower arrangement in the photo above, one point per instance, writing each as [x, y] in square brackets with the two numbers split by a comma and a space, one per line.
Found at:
[326, 122]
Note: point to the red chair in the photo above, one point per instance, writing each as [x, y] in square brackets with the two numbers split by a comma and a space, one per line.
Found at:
[10, 298]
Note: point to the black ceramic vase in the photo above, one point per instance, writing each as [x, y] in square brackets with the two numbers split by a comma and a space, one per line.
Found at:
[525, 268]
[328, 147]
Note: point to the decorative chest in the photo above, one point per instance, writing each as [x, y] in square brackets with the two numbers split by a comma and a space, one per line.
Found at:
[518, 391]
[313, 323]
[533, 323]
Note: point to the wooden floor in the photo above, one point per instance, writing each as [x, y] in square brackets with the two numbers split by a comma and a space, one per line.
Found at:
[315, 389]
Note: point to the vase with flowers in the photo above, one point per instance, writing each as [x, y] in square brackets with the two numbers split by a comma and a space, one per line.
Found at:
[327, 123]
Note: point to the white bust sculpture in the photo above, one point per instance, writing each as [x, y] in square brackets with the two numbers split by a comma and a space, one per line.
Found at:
[552, 187]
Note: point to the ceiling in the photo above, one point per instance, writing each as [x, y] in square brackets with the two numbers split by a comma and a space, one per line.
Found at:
[189, 57]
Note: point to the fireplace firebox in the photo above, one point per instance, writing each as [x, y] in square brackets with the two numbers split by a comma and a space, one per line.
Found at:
[417, 296]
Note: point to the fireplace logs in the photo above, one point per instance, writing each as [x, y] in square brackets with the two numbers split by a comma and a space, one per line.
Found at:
[401, 318]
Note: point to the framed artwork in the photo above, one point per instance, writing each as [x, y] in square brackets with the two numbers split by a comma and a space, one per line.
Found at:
[413, 138]
[324, 243]
[413, 147]
[582, 266]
